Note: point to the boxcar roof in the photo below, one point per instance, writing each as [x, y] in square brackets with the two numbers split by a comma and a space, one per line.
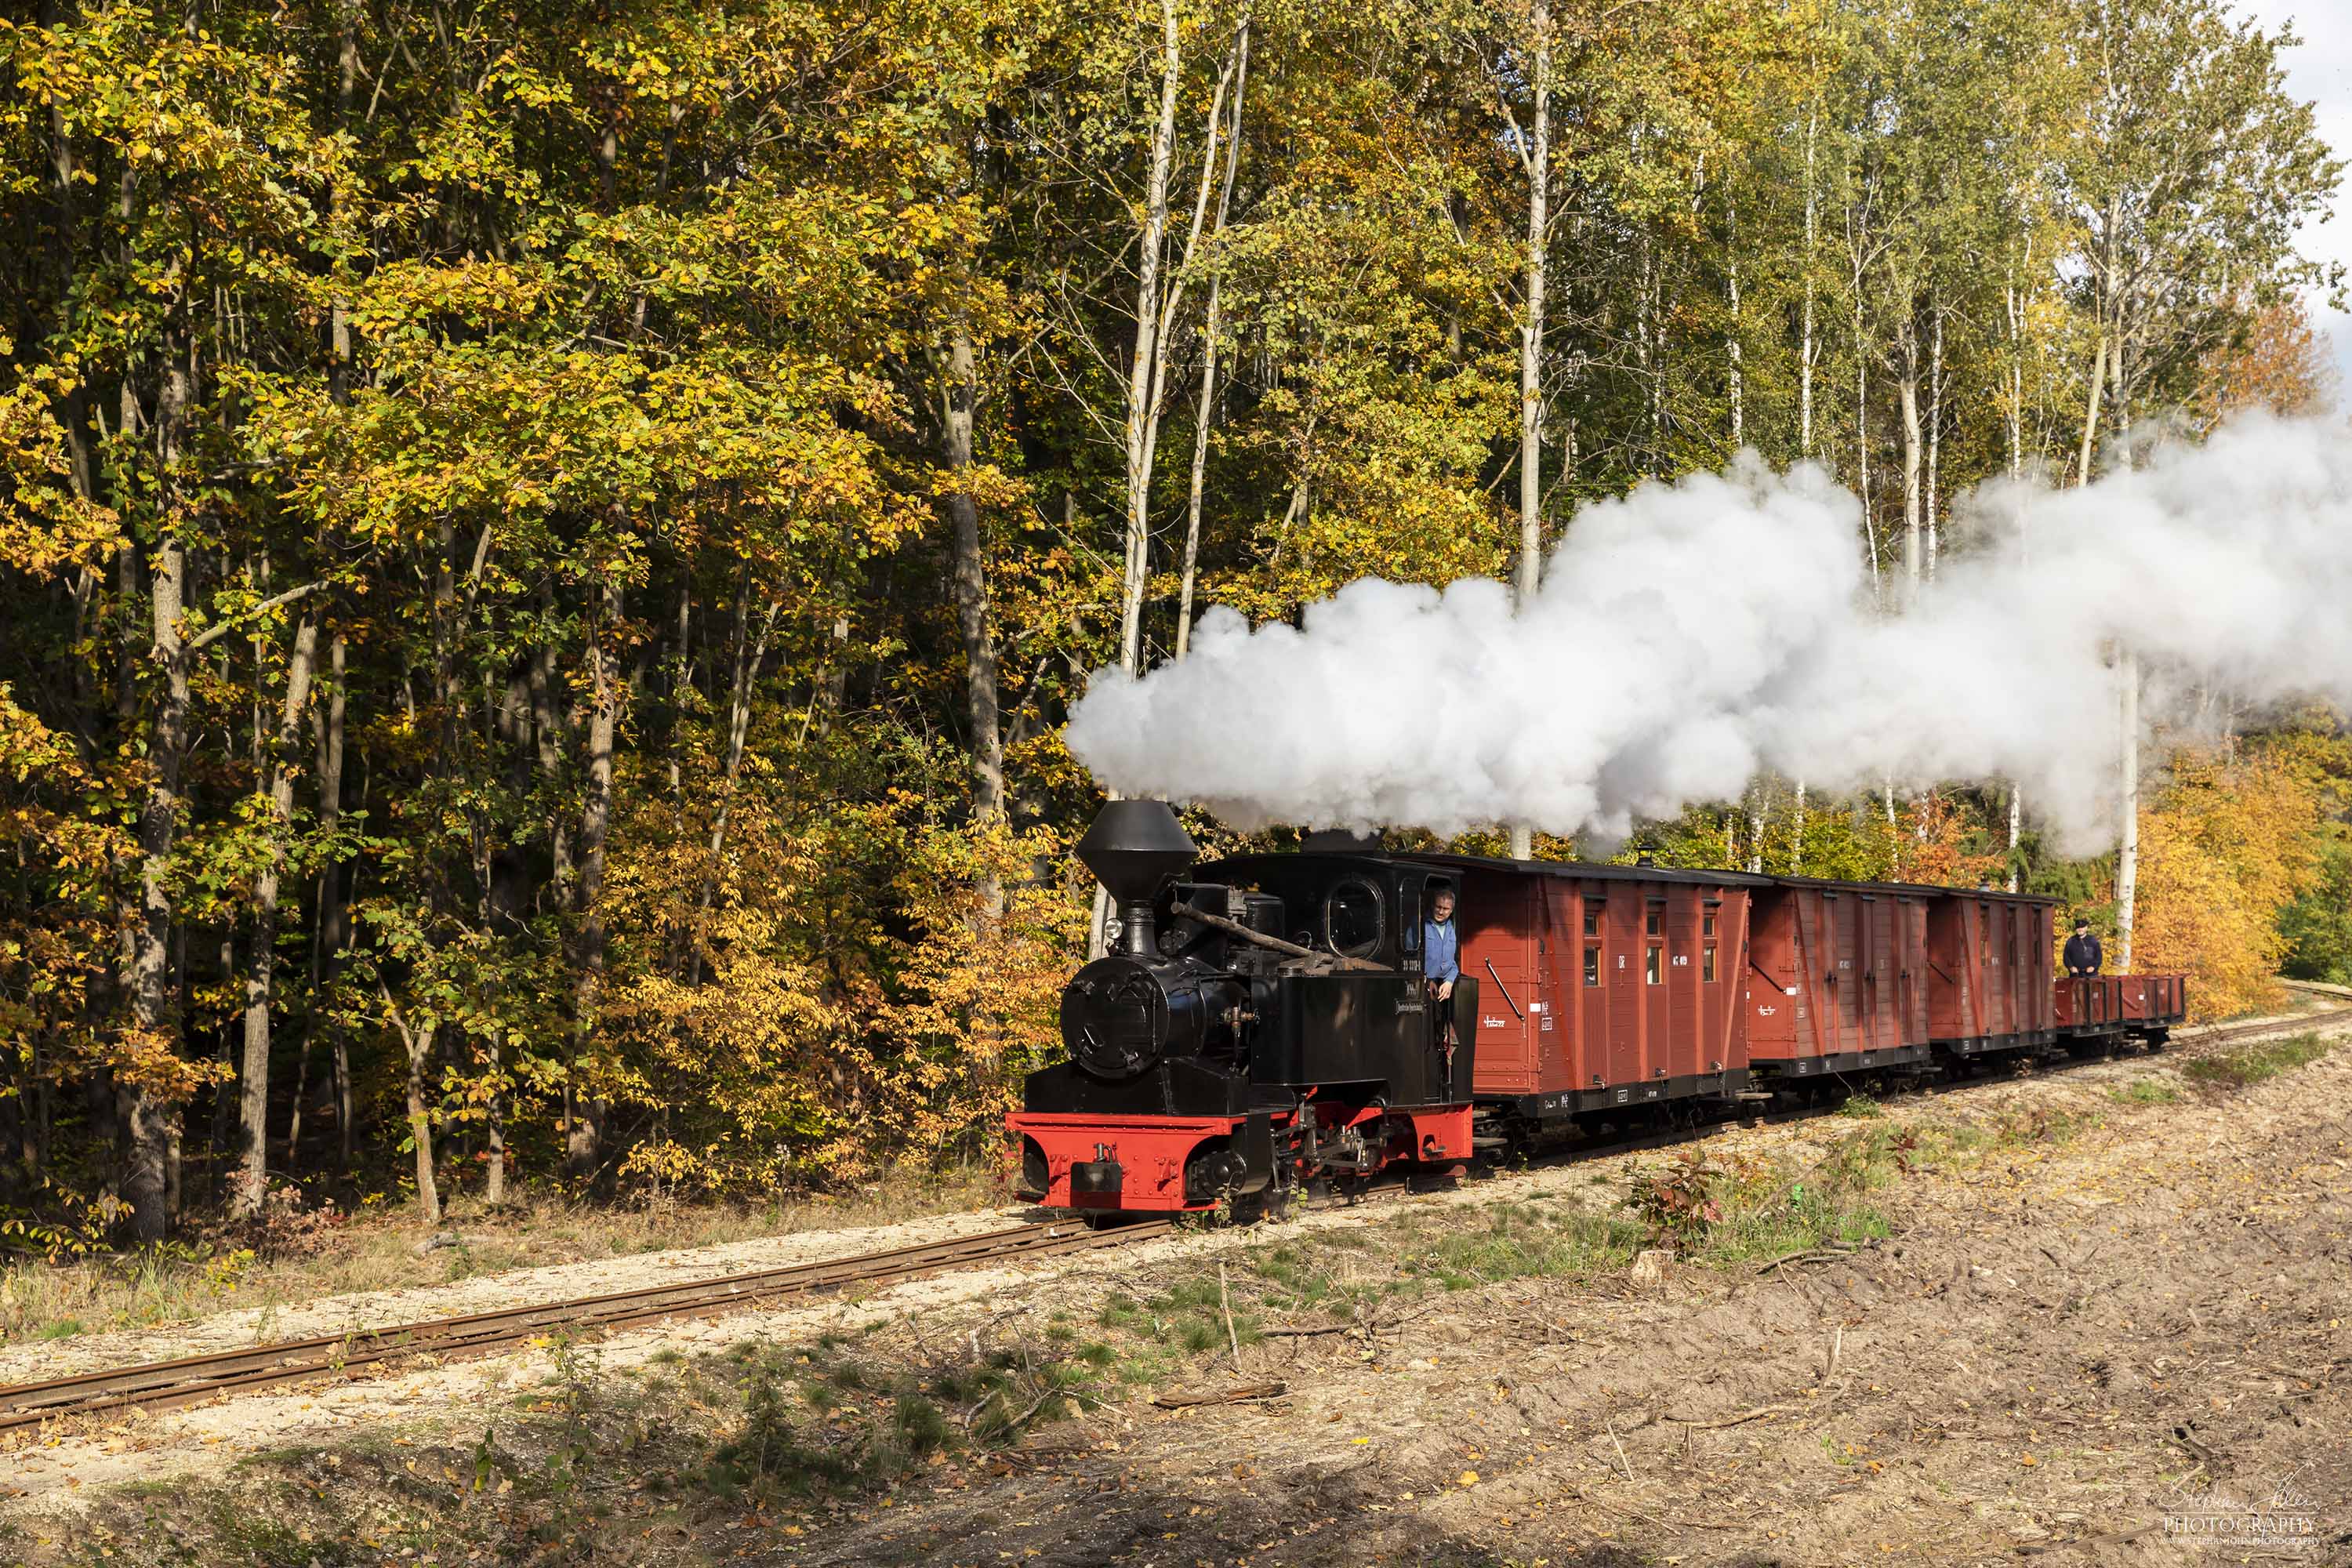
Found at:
[1437, 862]
[1586, 870]
[1920, 887]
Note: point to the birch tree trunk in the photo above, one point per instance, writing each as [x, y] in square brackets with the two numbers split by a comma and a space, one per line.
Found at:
[970, 578]
[2127, 847]
[2016, 823]
[584, 1137]
[2013, 307]
[1861, 439]
[1906, 392]
[253, 1096]
[1894, 835]
[1797, 837]
[1739, 390]
[1212, 323]
[1171, 304]
[2111, 320]
[1935, 438]
[1808, 347]
[1143, 381]
[1143, 367]
[2091, 411]
[2128, 810]
[1755, 828]
[1536, 154]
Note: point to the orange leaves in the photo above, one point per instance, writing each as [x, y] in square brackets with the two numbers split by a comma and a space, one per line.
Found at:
[1933, 848]
[2279, 364]
[2223, 848]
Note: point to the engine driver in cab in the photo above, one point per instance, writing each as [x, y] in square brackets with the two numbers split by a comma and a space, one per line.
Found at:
[1440, 948]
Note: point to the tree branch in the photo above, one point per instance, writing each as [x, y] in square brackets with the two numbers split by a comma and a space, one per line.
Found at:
[212, 635]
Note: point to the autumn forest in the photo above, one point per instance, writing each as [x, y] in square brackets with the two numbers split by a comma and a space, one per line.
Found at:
[544, 548]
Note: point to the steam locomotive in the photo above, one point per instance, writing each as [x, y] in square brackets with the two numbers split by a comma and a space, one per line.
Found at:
[1266, 1023]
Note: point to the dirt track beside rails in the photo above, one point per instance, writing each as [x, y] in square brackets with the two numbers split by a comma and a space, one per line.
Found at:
[2060, 1345]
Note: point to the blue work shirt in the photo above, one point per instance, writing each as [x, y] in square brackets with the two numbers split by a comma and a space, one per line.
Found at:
[1441, 951]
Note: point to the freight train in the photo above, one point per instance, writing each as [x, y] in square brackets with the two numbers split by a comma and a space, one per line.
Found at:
[1264, 1022]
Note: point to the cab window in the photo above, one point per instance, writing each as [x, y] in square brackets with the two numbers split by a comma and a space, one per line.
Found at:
[1352, 918]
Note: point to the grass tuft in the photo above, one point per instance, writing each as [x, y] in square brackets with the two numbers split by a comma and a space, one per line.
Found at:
[2252, 1064]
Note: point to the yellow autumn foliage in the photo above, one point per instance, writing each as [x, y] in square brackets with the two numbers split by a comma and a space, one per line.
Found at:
[848, 996]
[2225, 846]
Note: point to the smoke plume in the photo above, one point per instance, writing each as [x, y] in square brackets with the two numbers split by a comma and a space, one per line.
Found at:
[1690, 636]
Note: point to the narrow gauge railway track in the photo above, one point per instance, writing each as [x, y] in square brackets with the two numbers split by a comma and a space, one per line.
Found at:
[2223, 1036]
[190, 1379]
[193, 1379]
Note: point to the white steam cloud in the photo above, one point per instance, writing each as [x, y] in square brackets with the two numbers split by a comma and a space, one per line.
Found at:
[1688, 637]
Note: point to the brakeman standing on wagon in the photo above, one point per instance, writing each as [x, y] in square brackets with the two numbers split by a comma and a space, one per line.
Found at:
[2084, 955]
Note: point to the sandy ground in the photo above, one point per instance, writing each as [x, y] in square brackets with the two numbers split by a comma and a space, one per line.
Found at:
[2059, 1351]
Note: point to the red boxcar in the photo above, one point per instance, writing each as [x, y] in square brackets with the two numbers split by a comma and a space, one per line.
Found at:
[1988, 981]
[1836, 979]
[1602, 986]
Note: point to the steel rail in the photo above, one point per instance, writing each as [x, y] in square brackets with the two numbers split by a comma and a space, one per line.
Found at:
[2214, 1034]
[189, 1379]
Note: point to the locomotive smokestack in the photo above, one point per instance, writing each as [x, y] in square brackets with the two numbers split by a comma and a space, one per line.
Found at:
[1132, 848]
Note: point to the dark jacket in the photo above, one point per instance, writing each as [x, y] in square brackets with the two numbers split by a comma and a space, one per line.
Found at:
[2084, 955]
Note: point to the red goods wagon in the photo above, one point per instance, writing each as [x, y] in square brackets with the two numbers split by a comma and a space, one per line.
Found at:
[2085, 1006]
[1989, 986]
[1602, 986]
[2149, 1003]
[1836, 979]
